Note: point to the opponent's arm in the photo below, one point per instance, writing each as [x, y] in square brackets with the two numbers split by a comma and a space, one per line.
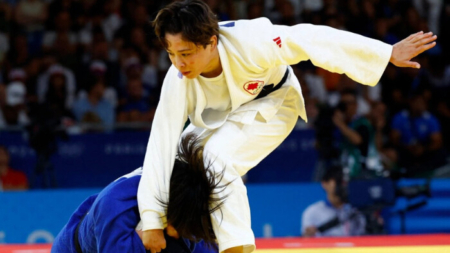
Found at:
[170, 117]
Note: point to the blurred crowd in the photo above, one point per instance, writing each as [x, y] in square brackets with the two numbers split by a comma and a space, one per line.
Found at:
[66, 64]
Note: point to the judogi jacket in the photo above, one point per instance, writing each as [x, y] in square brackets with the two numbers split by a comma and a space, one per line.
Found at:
[253, 53]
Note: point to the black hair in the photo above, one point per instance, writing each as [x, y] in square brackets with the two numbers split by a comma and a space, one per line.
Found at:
[336, 173]
[333, 173]
[191, 197]
[192, 18]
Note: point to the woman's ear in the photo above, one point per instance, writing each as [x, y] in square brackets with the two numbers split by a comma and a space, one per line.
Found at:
[213, 42]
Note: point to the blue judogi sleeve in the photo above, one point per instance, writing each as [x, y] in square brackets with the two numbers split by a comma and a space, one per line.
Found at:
[64, 241]
[113, 219]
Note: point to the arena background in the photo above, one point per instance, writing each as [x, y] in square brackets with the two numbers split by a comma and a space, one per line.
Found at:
[66, 156]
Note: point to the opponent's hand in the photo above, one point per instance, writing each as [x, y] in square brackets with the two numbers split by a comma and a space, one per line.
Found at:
[415, 44]
[153, 240]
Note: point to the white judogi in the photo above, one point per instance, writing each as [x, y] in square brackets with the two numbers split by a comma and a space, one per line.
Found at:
[253, 53]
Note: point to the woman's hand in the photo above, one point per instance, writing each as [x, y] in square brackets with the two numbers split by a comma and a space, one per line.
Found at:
[415, 44]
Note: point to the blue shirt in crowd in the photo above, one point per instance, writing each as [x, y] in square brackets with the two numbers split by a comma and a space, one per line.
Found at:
[416, 129]
[104, 110]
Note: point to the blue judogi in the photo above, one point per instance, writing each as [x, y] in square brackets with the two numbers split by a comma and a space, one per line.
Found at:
[108, 223]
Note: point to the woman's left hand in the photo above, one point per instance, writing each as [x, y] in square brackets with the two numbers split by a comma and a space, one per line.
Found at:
[413, 45]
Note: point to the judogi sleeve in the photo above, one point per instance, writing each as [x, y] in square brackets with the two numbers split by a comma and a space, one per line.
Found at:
[118, 234]
[170, 117]
[360, 58]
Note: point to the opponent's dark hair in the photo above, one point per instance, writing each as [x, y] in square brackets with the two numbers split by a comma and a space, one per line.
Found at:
[191, 197]
[192, 18]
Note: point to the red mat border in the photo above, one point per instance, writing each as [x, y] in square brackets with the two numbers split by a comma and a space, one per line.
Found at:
[363, 241]
[296, 242]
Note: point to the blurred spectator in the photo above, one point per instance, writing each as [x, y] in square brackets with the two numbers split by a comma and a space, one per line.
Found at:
[18, 55]
[10, 179]
[332, 217]
[331, 80]
[431, 11]
[436, 77]
[281, 11]
[4, 46]
[311, 91]
[75, 9]
[139, 19]
[6, 15]
[2, 104]
[99, 70]
[392, 93]
[135, 107]
[139, 44]
[13, 110]
[61, 41]
[346, 84]
[254, 10]
[100, 50]
[131, 66]
[32, 71]
[94, 108]
[382, 32]
[31, 16]
[388, 154]
[377, 118]
[62, 28]
[111, 19]
[224, 9]
[355, 138]
[56, 94]
[151, 72]
[59, 76]
[104, 16]
[17, 74]
[416, 133]
[445, 30]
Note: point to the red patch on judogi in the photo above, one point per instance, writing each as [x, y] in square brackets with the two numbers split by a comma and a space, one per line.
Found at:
[253, 87]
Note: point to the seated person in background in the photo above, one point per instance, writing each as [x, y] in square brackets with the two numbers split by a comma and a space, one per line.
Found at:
[110, 221]
[94, 108]
[416, 134]
[10, 179]
[135, 107]
[13, 110]
[332, 217]
[355, 138]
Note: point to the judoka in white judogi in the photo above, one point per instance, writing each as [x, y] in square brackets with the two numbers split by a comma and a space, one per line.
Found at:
[239, 130]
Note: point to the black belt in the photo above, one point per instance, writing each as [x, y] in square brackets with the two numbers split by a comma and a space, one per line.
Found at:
[266, 90]
[75, 236]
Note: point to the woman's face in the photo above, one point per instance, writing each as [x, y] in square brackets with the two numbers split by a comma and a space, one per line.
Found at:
[190, 59]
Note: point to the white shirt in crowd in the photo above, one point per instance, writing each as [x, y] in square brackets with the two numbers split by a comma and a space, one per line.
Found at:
[322, 212]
